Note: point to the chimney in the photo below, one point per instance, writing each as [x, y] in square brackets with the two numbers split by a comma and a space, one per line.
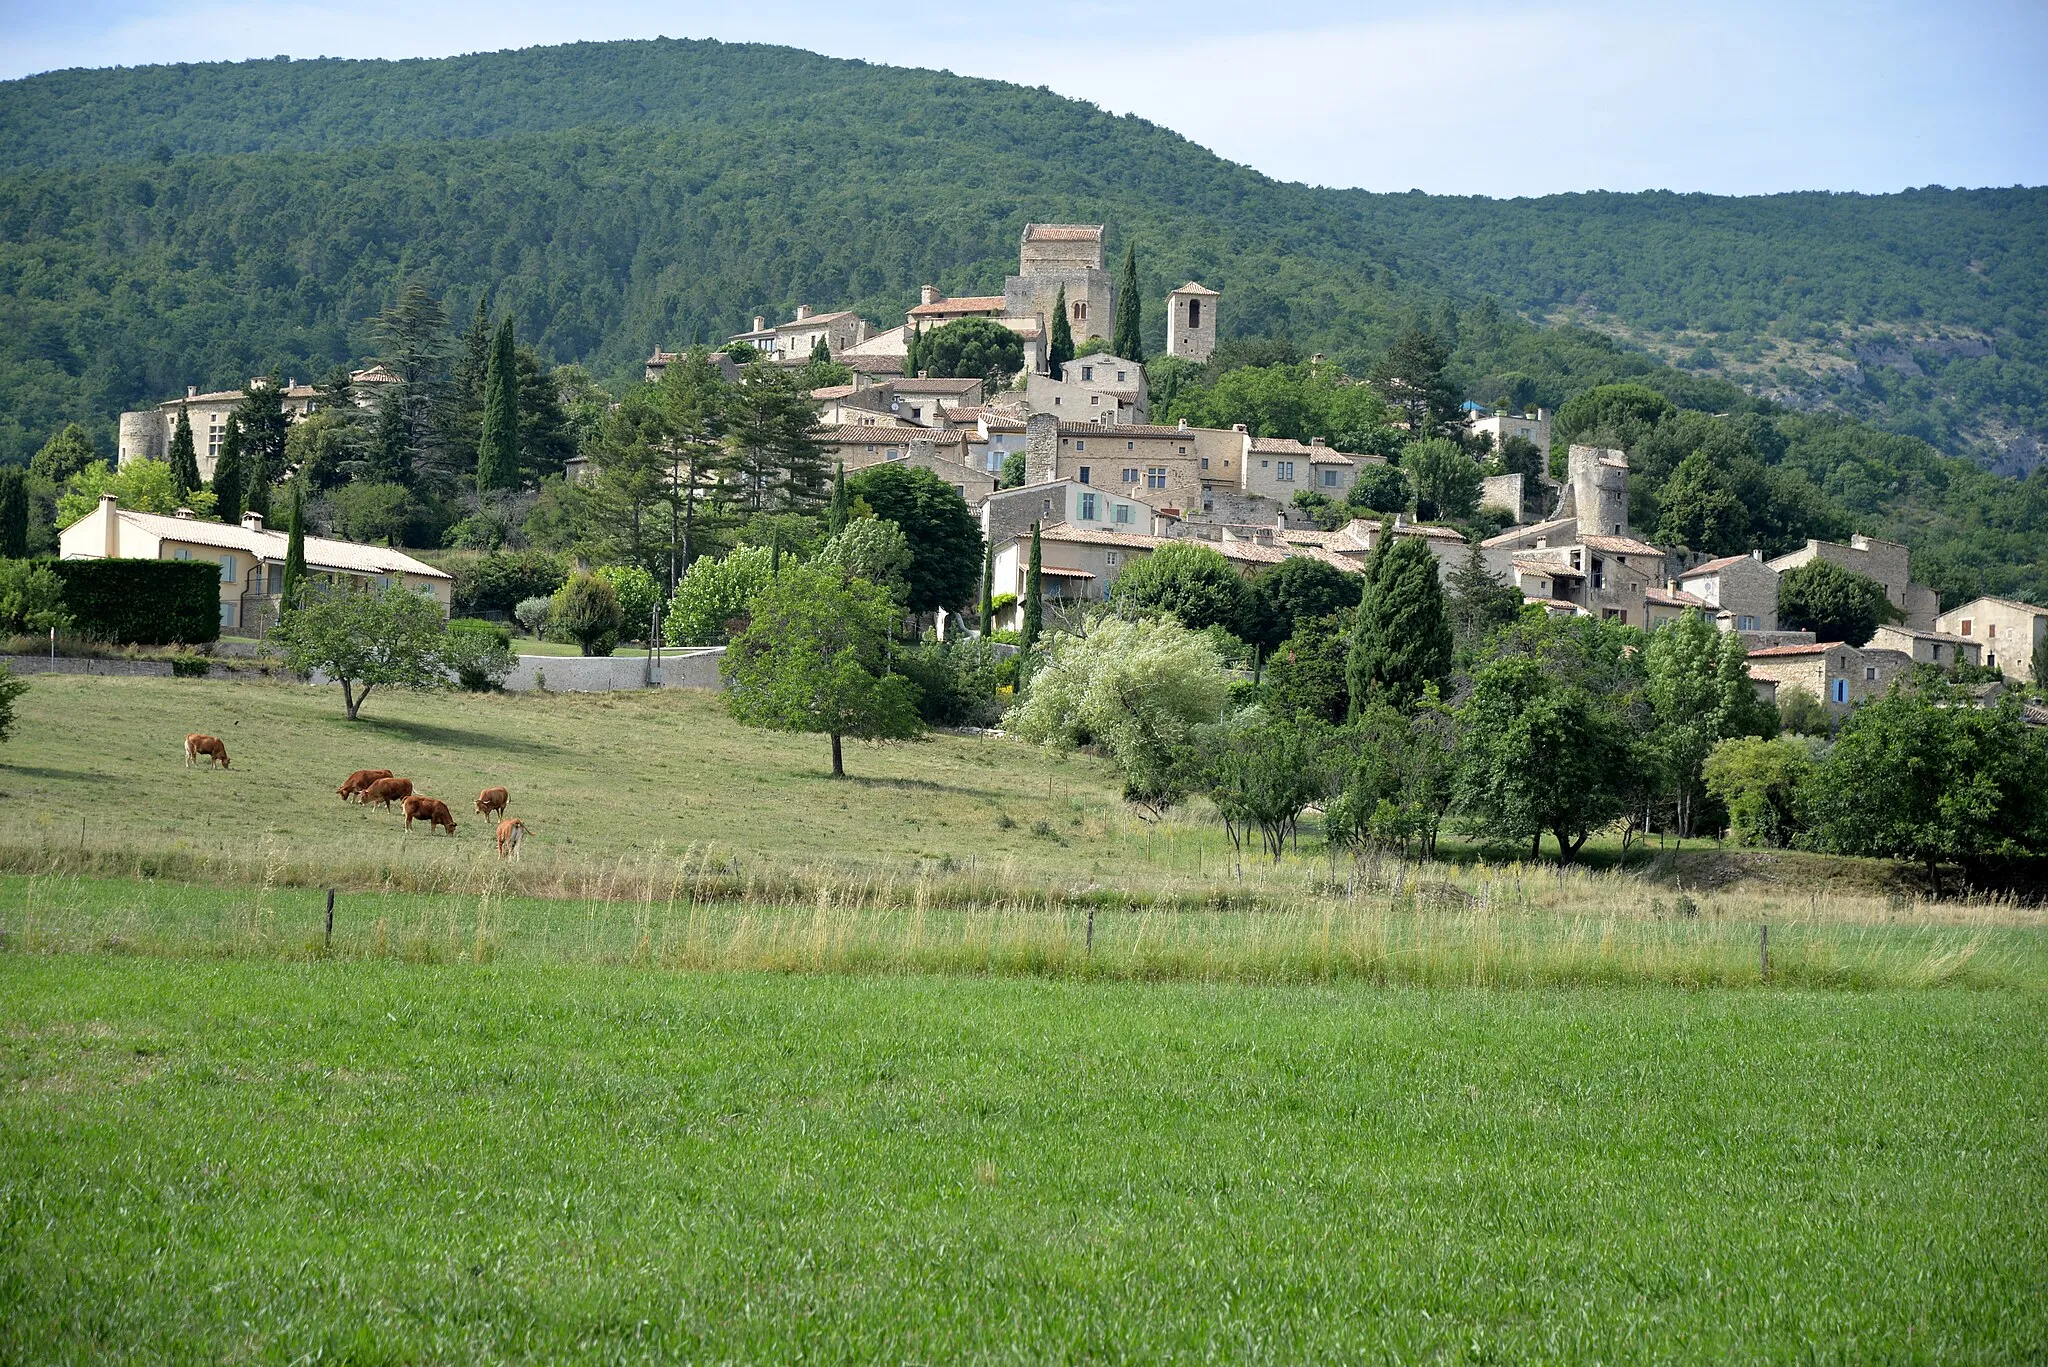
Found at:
[191, 391]
[1671, 586]
[252, 522]
[1183, 424]
[1542, 543]
[184, 514]
[760, 323]
[927, 294]
[1315, 441]
[1757, 555]
[110, 515]
[1238, 428]
[803, 311]
[924, 374]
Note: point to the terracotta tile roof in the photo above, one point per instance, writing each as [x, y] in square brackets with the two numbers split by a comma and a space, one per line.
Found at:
[1619, 545]
[835, 391]
[1774, 652]
[321, 552]
[1533, 529]
[1556, 569]
[972, 303]
[1192, 288]
[1126, 429]
[1714, 566]
[1088, 537]
[2012, 603]
[912, 385]
[799, 324]
[1286, 446]
[1054, 572]
[1063, 232]
[851, 433]
[1666, 598]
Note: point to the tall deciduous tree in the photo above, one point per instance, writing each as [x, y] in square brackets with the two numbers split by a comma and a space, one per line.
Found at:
[1062, 348]
[1403, 639]
[814, 658]
[365, 641]
[497, 448]
[945, 539]
[1540, 756]
[184, 457]
[1446, 479]
[1834, 603]
[1129, 342]
[1701, 510]
[1192, 583]
[1697, 683]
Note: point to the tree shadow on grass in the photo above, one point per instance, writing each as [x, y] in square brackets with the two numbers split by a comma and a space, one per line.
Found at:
[923, 785]
[427, 733]
[36, 771]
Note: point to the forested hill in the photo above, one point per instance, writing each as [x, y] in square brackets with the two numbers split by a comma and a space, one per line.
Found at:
[197, 223]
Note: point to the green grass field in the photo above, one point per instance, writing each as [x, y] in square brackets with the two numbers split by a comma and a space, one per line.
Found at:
[958, 1060]
[391, 1162]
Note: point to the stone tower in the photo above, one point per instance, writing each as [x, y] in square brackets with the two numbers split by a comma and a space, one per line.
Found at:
[1053, 256]
[1191, 322]
[1598, 491]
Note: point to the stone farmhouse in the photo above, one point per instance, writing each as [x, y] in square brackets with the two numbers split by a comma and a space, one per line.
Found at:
[1839, 675]
[2008, 632]
[146, 433]
[251, 559]
[1885, 561]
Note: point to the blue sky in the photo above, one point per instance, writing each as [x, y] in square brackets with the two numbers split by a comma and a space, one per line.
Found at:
[1456, 98]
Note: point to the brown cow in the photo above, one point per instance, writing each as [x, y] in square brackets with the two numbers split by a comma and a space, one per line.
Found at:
[492, 800]
[510, 833]
[386, 791]
[210, 746]
[431, 810]
[359, 780]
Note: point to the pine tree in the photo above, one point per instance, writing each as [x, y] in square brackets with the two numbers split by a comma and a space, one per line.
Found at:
[1127, 343]
[1402, 639]
[1062, 338]
[184, 459]
[264, 426]
[295, 551]
[261, 472]
[842, 506]
[13, 512]
[390, 455]
[1034, 604]
[497, 449]
[475, 364]
[230, 475]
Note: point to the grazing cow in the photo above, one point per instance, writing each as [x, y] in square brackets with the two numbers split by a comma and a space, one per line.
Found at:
[354, 784]
[431, 810]
[212, 747]
[492, 800]
[510, 833]
[386, 791]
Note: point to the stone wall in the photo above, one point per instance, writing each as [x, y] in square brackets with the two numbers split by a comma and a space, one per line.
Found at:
[680, 668]
[1237, 508]
[67, 664]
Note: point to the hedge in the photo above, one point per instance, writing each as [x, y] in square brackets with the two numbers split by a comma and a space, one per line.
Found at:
[497, 581]
[142, 602]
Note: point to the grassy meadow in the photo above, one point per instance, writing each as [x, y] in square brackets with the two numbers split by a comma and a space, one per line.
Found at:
[957, 1060]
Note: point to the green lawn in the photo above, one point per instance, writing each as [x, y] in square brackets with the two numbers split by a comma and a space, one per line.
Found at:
[391, 1162]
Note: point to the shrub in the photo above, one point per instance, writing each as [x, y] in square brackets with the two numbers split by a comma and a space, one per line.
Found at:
[956, 683]
[142, 602]
[587, 609]
[501, 580]
[638, 592]
[11, 690]
[1380, 489]
[479, 652]
[31, 599]
[532, 613]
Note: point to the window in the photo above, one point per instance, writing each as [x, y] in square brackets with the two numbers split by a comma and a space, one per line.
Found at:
[1184, 450]
[1112, 557]
[1991, 631]
[871, 450]
[1094, 400]
[1087, 507]
[1745, 624]
[1080, 446]
[1055, 401]
[1205, 462]
[1991, 660]
[1839, 690]
[1130, 474]
[1119, 377]
[181, 554]
[1087, 372]
[1155, 477]
[1194, 314]
[227, 614]
[1080, 310]
[213, 435]
[1084, 474]
[1329, 478]
[1123, 513]
[1130, 446]
[1870, 673]
[917, 415]
[227, 569]
[1285, 471]
[1966, 626]
[1048, 507]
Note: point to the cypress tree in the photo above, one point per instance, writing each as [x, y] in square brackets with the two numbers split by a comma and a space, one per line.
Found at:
[295, 550]
[184, 459]
[390, 459]
[476, 356]
[842, 506]
[1034, 606]
[1127, 342]
[230, 475]
[913, 352]
[13, 512]
[1403, 637]
[257, 497]
[1062, 338]
[497, 450]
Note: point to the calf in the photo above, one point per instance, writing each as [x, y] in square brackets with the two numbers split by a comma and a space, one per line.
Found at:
[431, 810]
[197, 745]
[492, 800]
[510, 833]
[353, 785]
[386, 791]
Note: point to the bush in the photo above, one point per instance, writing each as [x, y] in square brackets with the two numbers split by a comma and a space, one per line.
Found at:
[1189, 582]
[143, 602]
[956, 686]
[31, 599]
[479, 652]
[587, 609]
[1380, 489]
[532, 614]
[11, 690]
[501, 580]
[638, 593]
[714, 594]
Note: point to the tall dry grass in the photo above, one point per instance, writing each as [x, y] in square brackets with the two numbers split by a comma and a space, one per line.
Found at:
[703, 909]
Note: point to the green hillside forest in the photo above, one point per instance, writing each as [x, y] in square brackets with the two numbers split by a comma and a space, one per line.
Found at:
[199, 224]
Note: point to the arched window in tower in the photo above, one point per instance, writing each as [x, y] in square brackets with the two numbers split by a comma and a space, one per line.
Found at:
[1194, 314]
[1080, 310]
